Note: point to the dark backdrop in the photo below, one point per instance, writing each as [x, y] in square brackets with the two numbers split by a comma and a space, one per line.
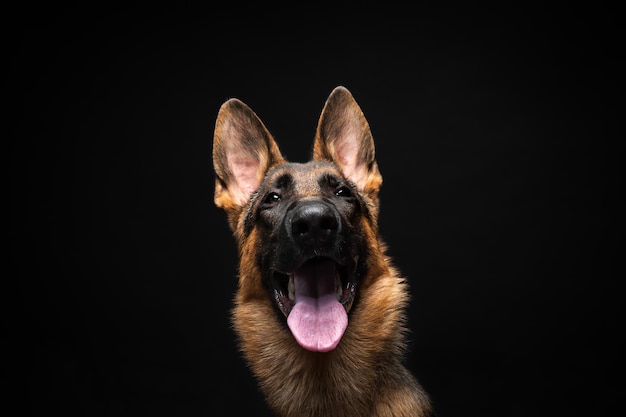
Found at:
[494, 135]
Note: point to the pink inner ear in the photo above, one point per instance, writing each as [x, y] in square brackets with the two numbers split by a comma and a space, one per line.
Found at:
[245, 169]
[347, 151]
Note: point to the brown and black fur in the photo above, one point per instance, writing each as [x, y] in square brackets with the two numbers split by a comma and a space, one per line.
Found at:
[263, 195]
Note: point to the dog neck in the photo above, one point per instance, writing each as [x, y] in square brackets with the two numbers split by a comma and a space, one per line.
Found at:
[298, 382]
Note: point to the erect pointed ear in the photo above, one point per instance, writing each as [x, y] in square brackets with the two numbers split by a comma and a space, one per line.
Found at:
[343, 136]
[243, 151]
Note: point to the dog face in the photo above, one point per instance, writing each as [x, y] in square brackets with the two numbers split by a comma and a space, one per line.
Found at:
[307, 217]
[301, 228]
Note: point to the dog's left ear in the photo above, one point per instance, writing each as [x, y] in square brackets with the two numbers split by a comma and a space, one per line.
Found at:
[343, 136]
[243, 151]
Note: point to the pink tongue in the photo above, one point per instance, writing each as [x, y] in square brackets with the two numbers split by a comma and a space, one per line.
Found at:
[318, 319]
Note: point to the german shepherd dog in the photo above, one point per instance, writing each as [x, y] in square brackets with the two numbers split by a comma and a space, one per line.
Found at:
[319, 312]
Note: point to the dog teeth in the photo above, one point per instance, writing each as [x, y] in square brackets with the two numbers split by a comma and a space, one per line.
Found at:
[338, 286]
[291, 292]
[291, 289]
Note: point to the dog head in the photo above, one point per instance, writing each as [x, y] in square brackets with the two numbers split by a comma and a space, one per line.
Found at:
[302, 229]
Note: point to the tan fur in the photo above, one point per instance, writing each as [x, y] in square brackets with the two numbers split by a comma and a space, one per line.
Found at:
[364, 375]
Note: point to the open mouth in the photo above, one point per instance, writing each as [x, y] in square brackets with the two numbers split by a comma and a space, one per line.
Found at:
[316, 298]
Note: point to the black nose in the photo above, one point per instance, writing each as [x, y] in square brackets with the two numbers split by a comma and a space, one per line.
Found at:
[314, 223]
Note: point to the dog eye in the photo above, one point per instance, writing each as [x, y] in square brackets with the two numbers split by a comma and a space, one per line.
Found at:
[343, 192]
[272, 198]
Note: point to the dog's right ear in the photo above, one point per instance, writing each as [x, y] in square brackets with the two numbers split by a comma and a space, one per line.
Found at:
[243, 151]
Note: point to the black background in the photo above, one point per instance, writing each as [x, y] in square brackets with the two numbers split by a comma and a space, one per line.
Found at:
[495, 136]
